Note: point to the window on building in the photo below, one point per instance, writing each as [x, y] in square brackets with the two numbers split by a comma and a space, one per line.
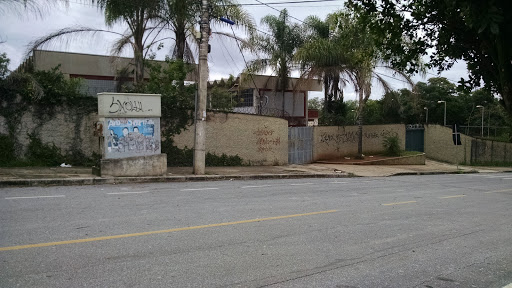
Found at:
[246, 98]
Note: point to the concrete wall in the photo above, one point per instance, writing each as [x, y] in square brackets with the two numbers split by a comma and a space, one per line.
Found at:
[338, 141]
[67, 130]
[258, 140]
[439, 145]
[484, 151]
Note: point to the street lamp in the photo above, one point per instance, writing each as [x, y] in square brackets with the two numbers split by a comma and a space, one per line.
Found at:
[355, 115]
[426, 116]
[441, 101]
[480, 106]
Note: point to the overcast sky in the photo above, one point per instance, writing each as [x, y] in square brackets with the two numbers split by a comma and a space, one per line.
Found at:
[18, 31]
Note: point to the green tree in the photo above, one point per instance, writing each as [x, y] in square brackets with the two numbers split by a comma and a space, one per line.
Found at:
[475, 31]
[4, 65]
[138, 15]
[180, 17]
[365, 59]
[278, 48]
[315, 103]
[323, 57]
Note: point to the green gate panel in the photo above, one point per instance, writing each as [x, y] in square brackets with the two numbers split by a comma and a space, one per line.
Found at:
[415, 140]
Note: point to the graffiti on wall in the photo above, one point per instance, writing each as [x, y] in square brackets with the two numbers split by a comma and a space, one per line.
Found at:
[132, 137]
[266, 141]
[118, 106]
[353, 136]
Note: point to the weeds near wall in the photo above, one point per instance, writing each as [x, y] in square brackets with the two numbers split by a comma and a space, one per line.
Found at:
[6, 149]
[392, 146]
[177, 157]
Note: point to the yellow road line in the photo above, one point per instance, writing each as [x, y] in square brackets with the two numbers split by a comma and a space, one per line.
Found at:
[454, 196]
[159, 231]
[499, 191]
[398, 203]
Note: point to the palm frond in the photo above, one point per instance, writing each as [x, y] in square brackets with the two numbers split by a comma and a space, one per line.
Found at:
[64, 36]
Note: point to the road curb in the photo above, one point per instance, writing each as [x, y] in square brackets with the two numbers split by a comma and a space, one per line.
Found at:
[147, 179]
[434, 173]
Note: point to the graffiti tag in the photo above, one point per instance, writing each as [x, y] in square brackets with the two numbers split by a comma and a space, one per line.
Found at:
[125, 106]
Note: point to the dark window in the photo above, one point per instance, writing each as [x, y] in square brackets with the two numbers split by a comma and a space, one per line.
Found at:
[246, 98]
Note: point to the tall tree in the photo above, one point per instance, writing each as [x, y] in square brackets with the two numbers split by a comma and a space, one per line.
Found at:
[323, 57]
[365, 61]
[473, 30]
[180, 17]
[278, 48]
[138, 15]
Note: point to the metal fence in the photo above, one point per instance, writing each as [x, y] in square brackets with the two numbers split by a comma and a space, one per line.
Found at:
[300, 145]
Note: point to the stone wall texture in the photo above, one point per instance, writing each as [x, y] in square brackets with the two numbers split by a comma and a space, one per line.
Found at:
[258, 140]
[67, 130]
[338, 141]
[439, 145]
[485, 152]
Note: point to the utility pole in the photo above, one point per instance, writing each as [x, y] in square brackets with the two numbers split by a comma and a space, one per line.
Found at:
[200, 117]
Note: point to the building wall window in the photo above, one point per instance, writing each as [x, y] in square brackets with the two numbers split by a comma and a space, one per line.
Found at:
[246, 98]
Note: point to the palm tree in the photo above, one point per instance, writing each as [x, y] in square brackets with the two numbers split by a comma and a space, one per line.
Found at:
[138, 15]
[365, 59]
[278, 47]
[34, 7]
[322, 57]
[180, 17]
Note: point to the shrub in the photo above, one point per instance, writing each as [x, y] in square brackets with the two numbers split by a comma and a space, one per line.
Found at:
[39, 154]
[6, 149]
[392, 146]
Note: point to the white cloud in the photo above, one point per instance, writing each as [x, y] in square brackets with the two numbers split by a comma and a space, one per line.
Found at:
[225, 58]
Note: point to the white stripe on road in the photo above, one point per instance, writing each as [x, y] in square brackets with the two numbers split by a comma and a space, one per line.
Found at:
[260, 186]
[301, 184]
[120, 193]
[199, 189]
[498, 191]
[337, 182]
[35, 197]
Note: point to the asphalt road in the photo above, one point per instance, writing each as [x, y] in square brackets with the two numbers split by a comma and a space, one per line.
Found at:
[409, 231]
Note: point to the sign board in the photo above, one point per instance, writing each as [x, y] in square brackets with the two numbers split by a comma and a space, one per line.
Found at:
[456, 135]
[113, 105]
[128, 137]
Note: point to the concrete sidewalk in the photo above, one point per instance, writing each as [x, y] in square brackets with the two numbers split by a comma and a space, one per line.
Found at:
[39, 176]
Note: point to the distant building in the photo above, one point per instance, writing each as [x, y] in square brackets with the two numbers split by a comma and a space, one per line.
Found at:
[313, 117]
[257, 94]
[100, 73]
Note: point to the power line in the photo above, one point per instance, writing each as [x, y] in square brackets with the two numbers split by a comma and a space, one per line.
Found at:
[283, 2]
[278, 10]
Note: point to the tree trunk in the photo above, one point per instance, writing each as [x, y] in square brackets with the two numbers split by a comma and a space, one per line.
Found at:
[360, 137]
[181, 40]
[360, 125]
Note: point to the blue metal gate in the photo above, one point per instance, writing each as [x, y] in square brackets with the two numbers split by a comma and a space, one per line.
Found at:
[300, 145]
[415, 138]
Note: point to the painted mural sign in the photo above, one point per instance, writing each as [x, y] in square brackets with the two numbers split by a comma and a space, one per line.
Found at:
[127, 137]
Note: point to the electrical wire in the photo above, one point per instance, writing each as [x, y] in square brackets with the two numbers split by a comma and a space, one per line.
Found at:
[278, 10]
[246, 65]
